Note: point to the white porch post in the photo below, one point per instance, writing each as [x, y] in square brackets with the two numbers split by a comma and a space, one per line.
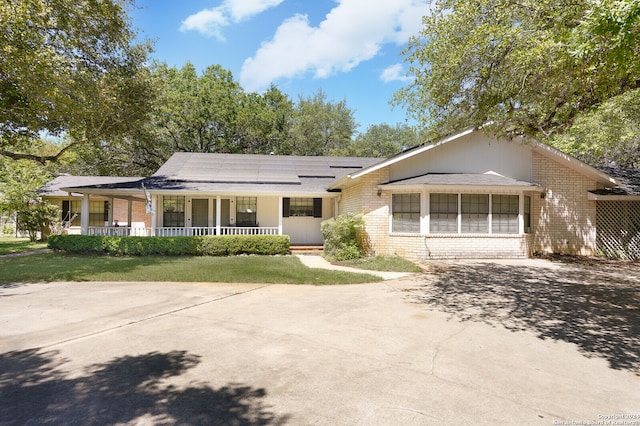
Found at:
[84, 215]
[154, 214]
[280, 215]
[218, 214]
[521, 213]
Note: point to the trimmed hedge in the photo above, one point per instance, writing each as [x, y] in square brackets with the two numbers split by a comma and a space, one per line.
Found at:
[223, 245]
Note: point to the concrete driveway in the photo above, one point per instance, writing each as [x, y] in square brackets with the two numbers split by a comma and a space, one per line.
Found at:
[466, 343]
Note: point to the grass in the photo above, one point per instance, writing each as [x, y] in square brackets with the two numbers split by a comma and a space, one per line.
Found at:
[383, 263]
[246, 269]
[10, 244]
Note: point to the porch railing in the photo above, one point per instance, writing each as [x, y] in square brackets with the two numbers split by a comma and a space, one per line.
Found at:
[119, 231]
[182, 231]
[248, 230]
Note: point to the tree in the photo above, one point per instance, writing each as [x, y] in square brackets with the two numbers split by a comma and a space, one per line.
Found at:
[529, 67]
[383, 140]
[69, 67]
[19, 182]
[607, 135]
[320, 127]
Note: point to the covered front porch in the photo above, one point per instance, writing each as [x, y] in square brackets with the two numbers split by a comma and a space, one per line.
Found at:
[169, 214]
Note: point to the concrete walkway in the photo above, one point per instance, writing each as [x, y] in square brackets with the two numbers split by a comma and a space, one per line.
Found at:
[317, 261]
[24, 253]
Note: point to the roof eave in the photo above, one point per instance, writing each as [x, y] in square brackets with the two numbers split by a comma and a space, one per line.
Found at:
[460, 187]
[574, 163]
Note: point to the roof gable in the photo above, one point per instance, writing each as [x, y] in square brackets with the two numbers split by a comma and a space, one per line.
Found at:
[468, 159]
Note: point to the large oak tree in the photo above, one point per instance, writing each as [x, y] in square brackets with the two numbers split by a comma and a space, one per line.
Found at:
[528, 66]
[69, 68]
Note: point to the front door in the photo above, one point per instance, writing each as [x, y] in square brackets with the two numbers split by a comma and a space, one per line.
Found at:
[200, 212]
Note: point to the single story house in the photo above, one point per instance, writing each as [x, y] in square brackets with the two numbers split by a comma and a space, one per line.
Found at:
[466, 196]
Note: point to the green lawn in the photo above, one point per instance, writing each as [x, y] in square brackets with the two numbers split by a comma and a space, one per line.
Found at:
[10, 244]
[249, 269]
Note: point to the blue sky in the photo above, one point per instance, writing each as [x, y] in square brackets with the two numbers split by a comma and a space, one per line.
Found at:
[348, 48]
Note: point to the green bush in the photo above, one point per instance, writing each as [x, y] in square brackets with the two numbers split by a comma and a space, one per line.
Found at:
[344, 237]
[172, 246]
[37, 219]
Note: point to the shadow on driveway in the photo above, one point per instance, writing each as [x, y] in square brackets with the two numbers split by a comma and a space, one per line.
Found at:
[33, 389]
[596, 308]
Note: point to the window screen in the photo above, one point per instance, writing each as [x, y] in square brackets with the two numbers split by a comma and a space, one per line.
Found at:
[406, 213]
[475, 213]
[443, 214]
[504, 217]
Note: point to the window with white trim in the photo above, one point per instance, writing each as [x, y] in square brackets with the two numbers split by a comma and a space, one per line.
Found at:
[475, 213]
[443, 210]
[504, 214]
[172, 211]
[246, 210]
[406, 213]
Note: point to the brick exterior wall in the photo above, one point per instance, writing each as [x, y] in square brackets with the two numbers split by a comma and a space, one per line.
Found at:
[564, 221]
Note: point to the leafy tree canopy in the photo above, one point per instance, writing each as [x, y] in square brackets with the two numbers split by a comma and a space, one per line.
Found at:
[68, 67]
[383, 140]
[529, 67]
[606, 136]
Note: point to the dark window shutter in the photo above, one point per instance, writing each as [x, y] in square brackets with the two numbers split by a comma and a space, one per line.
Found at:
[317, 207]
[285, 207]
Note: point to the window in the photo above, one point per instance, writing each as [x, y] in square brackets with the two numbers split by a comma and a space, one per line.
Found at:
[475, 213]
[302, 207]
[443, 214]
[527, 214]
[98, 213]
[246, 208]
[173, 211]
[406, 213]
[71, 212]
[504, 218]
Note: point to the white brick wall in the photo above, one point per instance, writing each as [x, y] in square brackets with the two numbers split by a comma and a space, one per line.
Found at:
[562, 222]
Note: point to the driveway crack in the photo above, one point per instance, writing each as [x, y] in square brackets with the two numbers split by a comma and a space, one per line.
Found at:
[151, 317]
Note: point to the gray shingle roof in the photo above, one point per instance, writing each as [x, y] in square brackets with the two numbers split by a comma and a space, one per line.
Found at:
[629, 181]
[238, 173]
[53, 188]
[263, 169]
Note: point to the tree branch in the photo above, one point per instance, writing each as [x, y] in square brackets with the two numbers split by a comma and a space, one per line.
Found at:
[43, 159]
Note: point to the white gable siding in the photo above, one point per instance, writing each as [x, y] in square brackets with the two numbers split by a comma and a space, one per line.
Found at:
[473, 153]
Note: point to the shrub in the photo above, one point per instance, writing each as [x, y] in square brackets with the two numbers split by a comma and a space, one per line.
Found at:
[344, 237]
[172, 246]
[37, 219]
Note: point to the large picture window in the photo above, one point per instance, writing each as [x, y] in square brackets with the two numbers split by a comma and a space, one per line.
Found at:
[443, 214]
[173, 211]
[406, 213]
[246, 208]
[475, 213]
[504, 215]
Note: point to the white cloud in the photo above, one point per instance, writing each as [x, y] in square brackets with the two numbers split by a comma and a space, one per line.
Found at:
[353, 32]
[394, 73]
[210, 22]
